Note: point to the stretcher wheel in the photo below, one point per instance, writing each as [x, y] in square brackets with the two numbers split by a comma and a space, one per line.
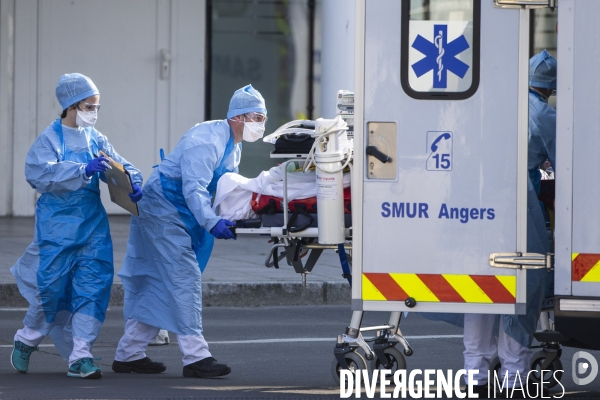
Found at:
[394, 357]
[551, 376]
[355, 362]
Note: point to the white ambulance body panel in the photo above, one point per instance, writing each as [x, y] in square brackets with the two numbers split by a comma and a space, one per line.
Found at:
[450, 196]
[578, 143]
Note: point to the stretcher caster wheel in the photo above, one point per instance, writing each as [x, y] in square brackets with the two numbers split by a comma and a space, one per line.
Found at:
[355, 362]
[408, 352]
[395, 360]
[552, 375]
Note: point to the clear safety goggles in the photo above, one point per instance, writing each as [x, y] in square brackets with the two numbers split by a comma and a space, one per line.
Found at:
[88, 107]
[257, 117]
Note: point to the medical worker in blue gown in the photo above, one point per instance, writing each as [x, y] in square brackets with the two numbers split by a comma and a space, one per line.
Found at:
[515, 332]
[542, 118]
[66, 273]
[171, 241]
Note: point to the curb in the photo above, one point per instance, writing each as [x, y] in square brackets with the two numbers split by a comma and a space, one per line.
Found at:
[249, 294]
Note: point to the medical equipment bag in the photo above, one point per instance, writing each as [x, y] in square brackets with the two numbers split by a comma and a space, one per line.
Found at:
[271, 205]
[293, 144]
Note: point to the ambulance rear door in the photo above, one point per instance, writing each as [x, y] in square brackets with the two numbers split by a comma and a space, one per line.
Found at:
[441, 150]
[577, 270]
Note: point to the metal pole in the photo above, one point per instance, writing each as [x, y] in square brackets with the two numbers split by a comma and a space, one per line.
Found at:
[208, 63]
[311, 58]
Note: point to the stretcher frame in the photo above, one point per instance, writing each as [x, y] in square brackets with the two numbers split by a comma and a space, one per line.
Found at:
[387, 336]
[293, 243]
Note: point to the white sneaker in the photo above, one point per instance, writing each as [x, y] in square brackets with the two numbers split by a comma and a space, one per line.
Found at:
[161, 339]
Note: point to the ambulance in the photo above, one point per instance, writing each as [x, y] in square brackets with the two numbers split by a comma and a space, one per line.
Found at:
[439, 186]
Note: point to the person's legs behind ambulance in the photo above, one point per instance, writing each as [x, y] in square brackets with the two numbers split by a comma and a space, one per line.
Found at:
[514, 332]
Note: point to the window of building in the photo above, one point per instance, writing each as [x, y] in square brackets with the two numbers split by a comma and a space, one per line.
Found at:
[268, 44]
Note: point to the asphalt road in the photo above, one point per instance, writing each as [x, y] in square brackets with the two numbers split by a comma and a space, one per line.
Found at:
[274, 352]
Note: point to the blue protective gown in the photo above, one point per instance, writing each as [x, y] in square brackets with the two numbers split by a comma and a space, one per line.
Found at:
[67, 271]
[169, 243]
[522, 327]
[542, 137]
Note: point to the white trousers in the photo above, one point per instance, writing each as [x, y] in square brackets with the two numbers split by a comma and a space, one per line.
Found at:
[480, 349]
[161, 339]
[33, 338]
[138, 335]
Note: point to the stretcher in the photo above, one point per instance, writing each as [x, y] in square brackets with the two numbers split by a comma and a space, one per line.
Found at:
[294, 235]
[295, 240]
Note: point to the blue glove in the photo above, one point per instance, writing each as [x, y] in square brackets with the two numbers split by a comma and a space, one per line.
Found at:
[221, 230]
[99, 164]
[137, 193]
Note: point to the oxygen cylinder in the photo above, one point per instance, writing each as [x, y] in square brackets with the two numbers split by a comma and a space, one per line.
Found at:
[329, 153]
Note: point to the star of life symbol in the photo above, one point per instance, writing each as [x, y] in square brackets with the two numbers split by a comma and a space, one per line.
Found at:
[440, 56]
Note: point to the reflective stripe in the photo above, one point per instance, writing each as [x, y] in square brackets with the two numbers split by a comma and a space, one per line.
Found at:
[435, 288]
[443, 290]
[494, 288]
[509, 282]
[415, 287]
[585, 267]
[370, 292]
[468, 289]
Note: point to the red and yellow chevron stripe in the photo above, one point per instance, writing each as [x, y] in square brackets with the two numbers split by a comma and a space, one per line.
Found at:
[585, 267]
[448, 288]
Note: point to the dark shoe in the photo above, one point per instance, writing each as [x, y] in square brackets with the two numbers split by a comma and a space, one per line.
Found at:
[532, 392]
[206, 368]
[141, 366]
[536, 393]
[481, 391]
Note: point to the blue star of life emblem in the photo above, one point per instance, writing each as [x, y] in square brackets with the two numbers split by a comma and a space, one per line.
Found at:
[440, 56]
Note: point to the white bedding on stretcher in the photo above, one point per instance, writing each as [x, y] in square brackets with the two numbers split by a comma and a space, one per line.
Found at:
[234, 191]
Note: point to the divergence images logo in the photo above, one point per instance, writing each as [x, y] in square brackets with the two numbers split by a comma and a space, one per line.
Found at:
[580, 368]
[440, 56]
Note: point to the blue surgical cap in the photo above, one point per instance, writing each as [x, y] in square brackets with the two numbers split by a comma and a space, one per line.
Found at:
[245, 100]
[75, 87]
[542, 71]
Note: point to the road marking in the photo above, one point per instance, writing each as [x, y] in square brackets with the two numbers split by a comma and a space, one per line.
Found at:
[292, 340]
[259, 341]
[265, 389]
[23, 309]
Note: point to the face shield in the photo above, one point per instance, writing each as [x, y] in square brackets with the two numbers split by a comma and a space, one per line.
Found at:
[255, 128]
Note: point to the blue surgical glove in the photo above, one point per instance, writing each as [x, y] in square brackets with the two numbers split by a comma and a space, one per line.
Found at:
[137, 193]
[99, 164]
[221, 230]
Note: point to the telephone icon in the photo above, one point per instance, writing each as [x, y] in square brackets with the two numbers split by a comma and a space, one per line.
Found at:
[444, 136]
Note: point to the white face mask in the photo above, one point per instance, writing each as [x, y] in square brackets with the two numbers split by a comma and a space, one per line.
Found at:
[253, 131]
[86, 118]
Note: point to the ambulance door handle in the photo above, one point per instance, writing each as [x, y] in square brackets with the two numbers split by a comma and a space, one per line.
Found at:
[165, 64]
[525, 4]
[522, 260]
[374, 151]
